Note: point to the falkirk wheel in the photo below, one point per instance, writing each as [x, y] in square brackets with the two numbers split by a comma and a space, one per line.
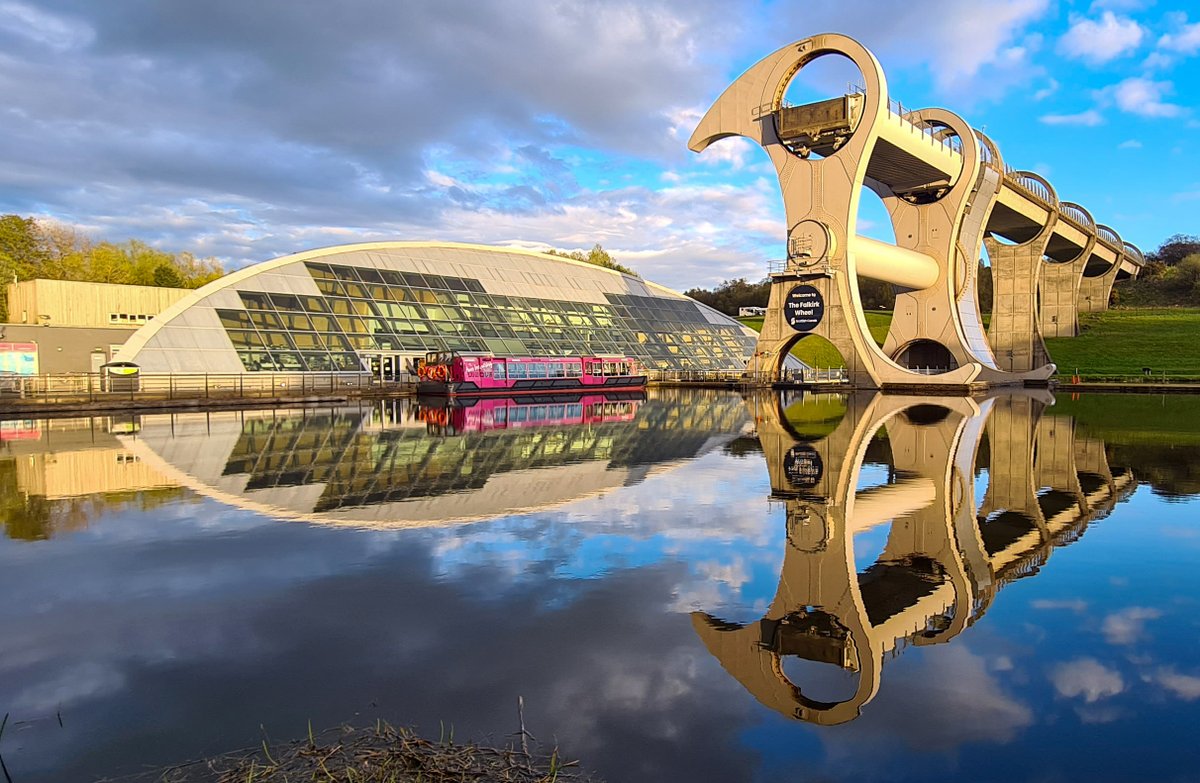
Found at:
[948, 193]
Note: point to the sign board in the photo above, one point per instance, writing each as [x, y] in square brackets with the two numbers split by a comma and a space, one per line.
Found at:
[804, 308]
[803, 467]
[18, 358]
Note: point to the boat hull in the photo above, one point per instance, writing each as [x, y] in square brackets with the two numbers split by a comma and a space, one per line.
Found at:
[532, 386]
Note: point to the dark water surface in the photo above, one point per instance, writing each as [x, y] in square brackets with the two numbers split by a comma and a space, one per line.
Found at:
[689, 587]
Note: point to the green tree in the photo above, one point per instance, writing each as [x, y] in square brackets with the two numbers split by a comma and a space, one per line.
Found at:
[732, 295]
[1189, 273]
[51, 250]
[598, 256]
[167, 276]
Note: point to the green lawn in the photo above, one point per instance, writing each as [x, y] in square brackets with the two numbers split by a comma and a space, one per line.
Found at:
[1114, 345]
[1121, 342]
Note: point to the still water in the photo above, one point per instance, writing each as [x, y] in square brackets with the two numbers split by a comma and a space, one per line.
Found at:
[693, 586]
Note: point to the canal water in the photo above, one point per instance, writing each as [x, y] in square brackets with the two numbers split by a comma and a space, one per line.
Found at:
[691, 586]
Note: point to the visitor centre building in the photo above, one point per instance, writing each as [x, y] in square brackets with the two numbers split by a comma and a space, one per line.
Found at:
[375, 307]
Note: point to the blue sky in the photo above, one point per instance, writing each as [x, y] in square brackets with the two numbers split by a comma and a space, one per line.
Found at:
[252, 130]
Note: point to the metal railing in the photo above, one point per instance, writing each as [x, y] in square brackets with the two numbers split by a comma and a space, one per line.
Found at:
[985, 150]
[1076, 215]
[1030, 185]
[805, 375]
[933, 134]
[1133, 252]
[1110, 236]
[96, 387]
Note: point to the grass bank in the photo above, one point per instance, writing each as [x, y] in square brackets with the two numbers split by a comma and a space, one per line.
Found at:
[1114, 345]
[818, 352]
[1117, 344]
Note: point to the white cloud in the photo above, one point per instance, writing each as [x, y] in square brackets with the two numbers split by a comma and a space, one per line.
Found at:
[967, 53]
[1184, 40]
[1127, 625]
[1144, 97]
[1088, 678]
[1047, 91]
[42, 28]
[1098, 42]
[1130, 144]
[1157, 61]
[1089, 118]
[1120, 5]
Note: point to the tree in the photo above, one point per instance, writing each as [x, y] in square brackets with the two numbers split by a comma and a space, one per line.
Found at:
[20, 247]
[1174, 249]
[167, 276]
[50, 250]
[985, 288]
[598, 256]
[1189, 273]
[732, 295]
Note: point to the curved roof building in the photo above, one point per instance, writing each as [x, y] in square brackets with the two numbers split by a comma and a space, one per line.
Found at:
[350, 307]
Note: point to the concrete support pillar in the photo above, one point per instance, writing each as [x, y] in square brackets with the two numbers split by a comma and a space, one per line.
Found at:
[1060, 298]
[1014, 333]
[1094, 292]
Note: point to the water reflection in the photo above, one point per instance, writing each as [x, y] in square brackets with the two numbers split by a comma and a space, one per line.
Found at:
[56, 476]
[165, 613]
[418, 462]
[946, 554]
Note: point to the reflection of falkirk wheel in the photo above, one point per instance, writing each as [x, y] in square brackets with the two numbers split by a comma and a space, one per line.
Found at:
[946, 189]
[941, 566]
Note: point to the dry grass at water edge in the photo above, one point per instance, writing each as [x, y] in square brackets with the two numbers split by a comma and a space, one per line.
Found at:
[382, 754]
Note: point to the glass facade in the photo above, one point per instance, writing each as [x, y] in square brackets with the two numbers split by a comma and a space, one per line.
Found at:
[367, 311]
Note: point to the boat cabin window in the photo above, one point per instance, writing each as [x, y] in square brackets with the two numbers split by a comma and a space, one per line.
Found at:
[498, 371]
[611, 368]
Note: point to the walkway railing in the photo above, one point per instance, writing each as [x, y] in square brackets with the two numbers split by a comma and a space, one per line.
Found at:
[1077, 216]
[95, 387]
[1031, 186]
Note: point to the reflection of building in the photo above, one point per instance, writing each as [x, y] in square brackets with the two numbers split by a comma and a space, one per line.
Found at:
[76, 327]
[57, 475]
[386, 466]
[377, 306]
[946, 556]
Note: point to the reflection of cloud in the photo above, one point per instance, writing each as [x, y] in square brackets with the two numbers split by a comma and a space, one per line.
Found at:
[958, 699]
[1127, 625]
[1088, 678]
[1070, 604]
[1098, 713]
[84, 681]
[1185, 686]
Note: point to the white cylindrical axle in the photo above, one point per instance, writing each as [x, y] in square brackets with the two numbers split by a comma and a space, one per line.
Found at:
[891, 264]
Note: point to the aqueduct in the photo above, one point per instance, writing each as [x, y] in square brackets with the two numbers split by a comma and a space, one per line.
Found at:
[949, 194]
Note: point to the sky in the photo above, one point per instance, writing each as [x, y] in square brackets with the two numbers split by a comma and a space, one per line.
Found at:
[250, 130]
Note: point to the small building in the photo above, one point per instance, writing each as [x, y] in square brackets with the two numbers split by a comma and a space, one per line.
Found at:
[61, 326]
[749, 312]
